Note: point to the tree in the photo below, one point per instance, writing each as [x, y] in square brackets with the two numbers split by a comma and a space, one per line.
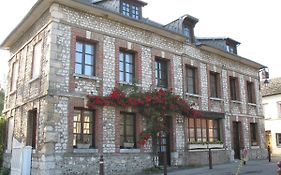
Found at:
[2, 96]
[154, 105]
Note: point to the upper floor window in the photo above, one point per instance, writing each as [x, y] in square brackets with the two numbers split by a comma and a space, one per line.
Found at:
[83, 127]
[215, 84]
[202, 130]
[161, 73]
[234, 88]
[14, 78]
[191, 75]
[128, 130]
[130, 9]
[85, 58]
[36, 63]
[251, 92]
[126, 67]
[254, 132]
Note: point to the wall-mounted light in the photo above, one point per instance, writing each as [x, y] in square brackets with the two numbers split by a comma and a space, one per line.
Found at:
[264, 75]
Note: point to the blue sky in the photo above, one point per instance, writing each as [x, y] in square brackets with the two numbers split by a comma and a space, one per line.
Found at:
[254, 23]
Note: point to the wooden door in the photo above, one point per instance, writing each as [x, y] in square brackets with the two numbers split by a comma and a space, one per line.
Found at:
[236, 139]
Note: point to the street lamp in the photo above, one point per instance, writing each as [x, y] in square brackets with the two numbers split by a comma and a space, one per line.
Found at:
[264, 75]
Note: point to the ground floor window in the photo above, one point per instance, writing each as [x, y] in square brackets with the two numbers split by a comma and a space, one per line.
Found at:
[203, 130]
[278, 139]
[127, 130]
[83, 127]
[254, 132]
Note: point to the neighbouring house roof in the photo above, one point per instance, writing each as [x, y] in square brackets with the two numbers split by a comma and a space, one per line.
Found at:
[272, 88]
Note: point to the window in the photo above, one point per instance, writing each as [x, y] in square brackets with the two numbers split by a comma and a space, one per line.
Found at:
[31, 134]
[251, 92]
[127, 130]
[37, 56]
[186, 31]
[85, 58]
[234, 89]
[278, 139]
[126, 67]
[230, 49]
[215, 84]
[191, 74]
[83, 127]
[254, 132]
[129, 9]
[161, 70]
[202, 130]
[14, 78]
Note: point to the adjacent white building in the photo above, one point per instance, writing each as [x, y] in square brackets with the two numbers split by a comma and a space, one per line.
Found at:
[271, 94]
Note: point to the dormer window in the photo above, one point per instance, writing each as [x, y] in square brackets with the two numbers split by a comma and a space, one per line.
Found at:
[230, 49]
[131, 9]
[186, 31]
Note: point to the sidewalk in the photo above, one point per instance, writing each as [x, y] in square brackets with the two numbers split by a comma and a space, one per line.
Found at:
[253, 167]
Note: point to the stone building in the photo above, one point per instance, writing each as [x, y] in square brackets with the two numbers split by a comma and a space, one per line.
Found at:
[64, 50]
[271, 100]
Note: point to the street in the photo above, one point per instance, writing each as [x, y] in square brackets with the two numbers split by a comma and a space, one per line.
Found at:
[252, 167]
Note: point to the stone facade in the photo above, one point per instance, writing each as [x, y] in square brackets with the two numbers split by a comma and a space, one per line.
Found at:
[58, 91]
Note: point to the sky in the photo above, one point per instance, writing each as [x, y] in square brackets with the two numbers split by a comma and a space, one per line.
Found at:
[253, 23]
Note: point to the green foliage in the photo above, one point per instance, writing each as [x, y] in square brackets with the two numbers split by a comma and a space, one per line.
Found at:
[2, 132]
[207, 142]
[2, 96]
[4, 171]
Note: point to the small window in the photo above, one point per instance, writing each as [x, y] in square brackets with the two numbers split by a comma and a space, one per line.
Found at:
[278, 139]
[14, 78]
[234, 88]
[126, 67]
[191, 74]
[215, 84]
[85, 58]
[251, 92]
[161, 73]
[37, 56]
[130, 9]
[230, 49]
[186, 31]
[254, 132]
[127, 130]
[31, 134]
[83, 127]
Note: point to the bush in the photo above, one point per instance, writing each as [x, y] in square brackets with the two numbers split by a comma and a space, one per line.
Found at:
[2, 136]
[4, 171]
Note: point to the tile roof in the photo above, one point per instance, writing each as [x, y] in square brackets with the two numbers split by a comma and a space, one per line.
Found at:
[272, 88]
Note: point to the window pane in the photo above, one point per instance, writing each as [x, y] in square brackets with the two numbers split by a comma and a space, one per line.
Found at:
[78, 57]
[79, 47]
[89, 49]
[88, 70]
[89, 59]
[121, 76]
[78, 68]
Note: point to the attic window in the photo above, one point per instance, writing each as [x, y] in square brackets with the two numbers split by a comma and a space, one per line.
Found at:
[130, 9]
[186, 31]
[230, 49]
